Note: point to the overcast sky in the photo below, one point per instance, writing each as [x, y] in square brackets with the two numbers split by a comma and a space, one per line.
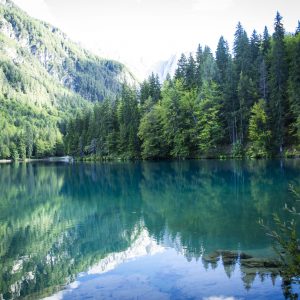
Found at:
[155, 29]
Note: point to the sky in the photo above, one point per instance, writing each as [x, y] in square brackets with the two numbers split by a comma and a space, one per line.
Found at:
[147, 31]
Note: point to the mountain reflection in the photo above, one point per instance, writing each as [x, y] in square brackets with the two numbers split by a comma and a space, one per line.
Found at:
[58, 220]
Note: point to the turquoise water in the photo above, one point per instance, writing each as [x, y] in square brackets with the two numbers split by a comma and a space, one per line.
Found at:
[139, 230]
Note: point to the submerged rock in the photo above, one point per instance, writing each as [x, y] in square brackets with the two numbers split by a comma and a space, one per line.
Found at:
[211, 258]
[259, 263]
[247, 261]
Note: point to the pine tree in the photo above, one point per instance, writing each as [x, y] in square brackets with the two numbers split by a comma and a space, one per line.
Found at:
[278, 77]
[180, 72]
[190, 76]
[241, 51]
[144, 91]
[255, 58]
[294, 89]
[222, 57]
[154, 87]
[230, 103]
[246, 95]
[209, 67]
[265, 42]
[199, 62]
[263, 80]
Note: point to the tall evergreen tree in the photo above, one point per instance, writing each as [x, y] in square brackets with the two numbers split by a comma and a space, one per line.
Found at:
[294, 89]
[263, 80]
[154, 87]
[199, 63]
[278, 78]
[246, 95]
[265, 42]
[128, 118]
[180, 72]
[144, 91]
[209, 67]
[230, 103]
[222, 57]
[255, 58]
[190, 77]
[241, 51]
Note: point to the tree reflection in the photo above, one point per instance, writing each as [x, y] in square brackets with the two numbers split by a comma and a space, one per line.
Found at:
[57, 220]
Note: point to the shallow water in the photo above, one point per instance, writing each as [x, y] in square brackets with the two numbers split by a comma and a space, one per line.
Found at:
[139, 230]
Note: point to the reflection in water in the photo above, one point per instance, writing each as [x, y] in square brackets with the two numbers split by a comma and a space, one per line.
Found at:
[58, 220]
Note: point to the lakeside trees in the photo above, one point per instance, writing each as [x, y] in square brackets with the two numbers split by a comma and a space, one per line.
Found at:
[244, 103]
[229, 104]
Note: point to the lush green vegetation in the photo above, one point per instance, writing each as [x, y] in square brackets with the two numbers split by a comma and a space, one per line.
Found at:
[285, 236]
[44, 79]
[242, 104]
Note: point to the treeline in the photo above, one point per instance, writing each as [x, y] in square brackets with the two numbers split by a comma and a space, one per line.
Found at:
[242, 104]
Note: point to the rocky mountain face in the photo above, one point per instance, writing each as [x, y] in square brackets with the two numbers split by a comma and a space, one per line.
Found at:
[44, 79]
[66, 62]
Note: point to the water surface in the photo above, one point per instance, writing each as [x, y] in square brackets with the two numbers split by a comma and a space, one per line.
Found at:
[139, 230]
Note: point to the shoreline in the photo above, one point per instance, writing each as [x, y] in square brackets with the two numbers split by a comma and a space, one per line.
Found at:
[45, 159]
[89, 159]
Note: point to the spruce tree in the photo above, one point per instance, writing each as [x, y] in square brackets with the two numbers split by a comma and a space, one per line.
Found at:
[222, 57]
[180, 72]
[190, 76]
[209, 68]
[265, 47]
[294, 90]
[199, 63]
[278, 78]
[241, 51]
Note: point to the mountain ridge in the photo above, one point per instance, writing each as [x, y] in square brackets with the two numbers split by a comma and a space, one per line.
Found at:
[44, 79]
[63, 59]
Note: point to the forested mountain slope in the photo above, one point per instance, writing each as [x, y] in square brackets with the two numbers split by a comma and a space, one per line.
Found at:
[45, 77]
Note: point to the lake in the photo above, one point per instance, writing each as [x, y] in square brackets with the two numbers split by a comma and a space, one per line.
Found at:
[146, 230]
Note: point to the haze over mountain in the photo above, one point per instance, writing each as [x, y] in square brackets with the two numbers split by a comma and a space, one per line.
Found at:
[142, 33]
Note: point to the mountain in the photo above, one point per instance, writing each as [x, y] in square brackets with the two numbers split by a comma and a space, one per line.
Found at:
[44, 77]
[165, 67]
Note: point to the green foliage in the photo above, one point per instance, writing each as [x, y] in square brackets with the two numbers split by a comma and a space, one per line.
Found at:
[210, 106]
[237, 150]
[209, 124]
[178, 118]
[287, 245]
[259, 135]
[44, 79]
[278, 81]
[293, 45]
[14, 152]
[108, 130]
[151, 134]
